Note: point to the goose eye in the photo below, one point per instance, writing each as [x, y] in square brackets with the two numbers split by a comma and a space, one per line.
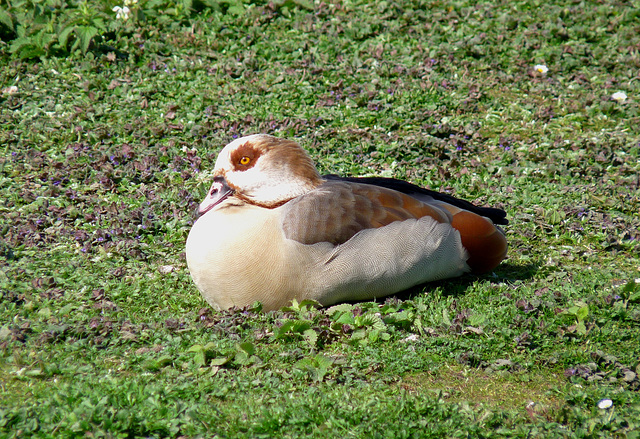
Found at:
[245, 160]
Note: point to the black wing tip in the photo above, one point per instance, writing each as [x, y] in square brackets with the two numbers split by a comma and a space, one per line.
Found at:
[498, 216]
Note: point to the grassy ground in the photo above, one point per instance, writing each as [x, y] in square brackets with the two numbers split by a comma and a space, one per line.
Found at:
[105, 155]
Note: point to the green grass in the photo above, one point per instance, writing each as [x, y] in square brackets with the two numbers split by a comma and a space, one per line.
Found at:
[106, 154]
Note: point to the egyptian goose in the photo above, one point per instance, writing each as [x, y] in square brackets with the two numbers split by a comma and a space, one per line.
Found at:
[271, 229]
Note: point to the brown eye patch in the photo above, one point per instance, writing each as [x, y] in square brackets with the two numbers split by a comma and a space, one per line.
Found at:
[244, 157]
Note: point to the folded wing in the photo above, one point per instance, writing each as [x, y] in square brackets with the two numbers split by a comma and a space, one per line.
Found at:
[497, 216]
[337, 210]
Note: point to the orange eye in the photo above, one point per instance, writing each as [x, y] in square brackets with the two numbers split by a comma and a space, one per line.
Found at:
[245, 160]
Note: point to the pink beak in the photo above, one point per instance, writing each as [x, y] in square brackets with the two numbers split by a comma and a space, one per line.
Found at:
[217, 194]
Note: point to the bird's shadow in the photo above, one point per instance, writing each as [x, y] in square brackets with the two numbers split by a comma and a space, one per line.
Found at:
[505, 272]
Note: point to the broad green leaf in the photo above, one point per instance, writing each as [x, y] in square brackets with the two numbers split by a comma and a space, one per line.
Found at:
[630, 286]
[311, 336]
[85, 35]
[477, 319]
[19, 44]
[99, 24]
[346, 318]
[241, 357]
[292, 327]
[196, 348]
[308, 303]
[342, 307]
[371, 320]
[236, 9]
[359, 334]
[572, 310]
[445, 317]
[5, 18]
[200, 358]
[317, 366]
[247, 347]
[63, 36]
[219, 361]
[284, 329]
[582, 313]
[555, 216]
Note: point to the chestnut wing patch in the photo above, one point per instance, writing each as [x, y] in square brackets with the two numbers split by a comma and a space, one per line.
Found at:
[498, 216]
[336, 211]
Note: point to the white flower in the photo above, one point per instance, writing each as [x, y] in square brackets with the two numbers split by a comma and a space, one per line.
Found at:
[11, 90]
[122, 13]
[541, 68]
[412, 337]
[130, 2]
[619, 96]
[605, 404]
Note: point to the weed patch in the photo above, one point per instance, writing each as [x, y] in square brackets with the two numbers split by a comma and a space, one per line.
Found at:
[109, 129]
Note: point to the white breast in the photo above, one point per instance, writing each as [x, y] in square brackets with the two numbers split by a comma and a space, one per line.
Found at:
[234, 257]
[239, 255]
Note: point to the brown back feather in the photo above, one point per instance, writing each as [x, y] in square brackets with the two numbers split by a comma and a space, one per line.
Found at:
[337, 210]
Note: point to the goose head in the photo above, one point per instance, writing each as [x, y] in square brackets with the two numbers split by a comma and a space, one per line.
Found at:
[261, 170]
